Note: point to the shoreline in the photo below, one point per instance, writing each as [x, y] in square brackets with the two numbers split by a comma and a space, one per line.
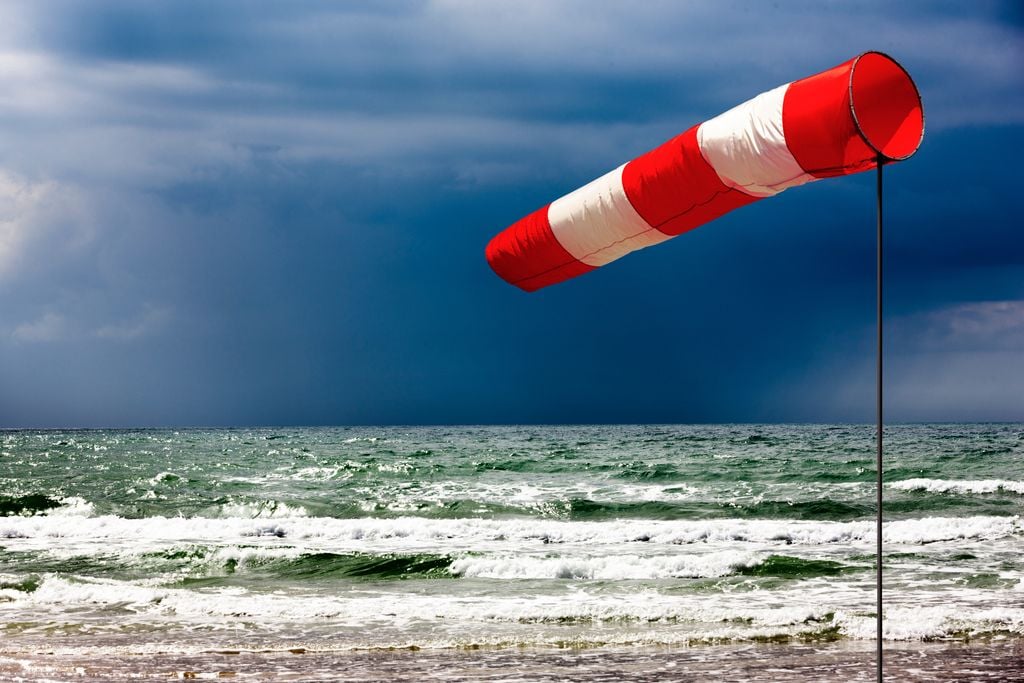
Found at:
[848, 660]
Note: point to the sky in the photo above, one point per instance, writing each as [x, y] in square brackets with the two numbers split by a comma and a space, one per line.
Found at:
[267, 213]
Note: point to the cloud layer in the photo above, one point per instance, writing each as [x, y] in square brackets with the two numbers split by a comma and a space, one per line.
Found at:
[257, 212]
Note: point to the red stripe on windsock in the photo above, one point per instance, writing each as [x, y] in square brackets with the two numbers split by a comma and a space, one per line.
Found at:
[819, 129]
[527, 255]
[674, 189]
[837, 122]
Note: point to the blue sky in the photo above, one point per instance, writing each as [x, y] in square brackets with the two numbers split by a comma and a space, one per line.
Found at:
[217, 213]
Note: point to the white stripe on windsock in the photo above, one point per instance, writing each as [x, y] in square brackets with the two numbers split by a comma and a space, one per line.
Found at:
[597, 224]
[747, 147]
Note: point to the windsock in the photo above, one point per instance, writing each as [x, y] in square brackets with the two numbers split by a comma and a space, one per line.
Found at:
[844, 120]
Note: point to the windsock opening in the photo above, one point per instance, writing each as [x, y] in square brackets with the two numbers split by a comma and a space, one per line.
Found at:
[886, 106]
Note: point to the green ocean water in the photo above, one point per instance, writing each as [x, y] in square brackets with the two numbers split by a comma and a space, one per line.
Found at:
[577, 473]
[454, 537]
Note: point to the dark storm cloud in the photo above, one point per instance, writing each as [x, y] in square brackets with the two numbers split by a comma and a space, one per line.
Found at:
[243, 212]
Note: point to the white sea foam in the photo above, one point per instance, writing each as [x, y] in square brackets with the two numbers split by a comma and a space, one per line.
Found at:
[193, 560]
[618, 567]
[271, 509]
[71, 506]
[410, 496]
[960, 486]
[366, 618]
[322, 473]
[165, 477]
[933, 622]
[414, 534]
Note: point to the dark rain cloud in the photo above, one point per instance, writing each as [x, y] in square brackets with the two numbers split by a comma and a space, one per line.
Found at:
[248, 212]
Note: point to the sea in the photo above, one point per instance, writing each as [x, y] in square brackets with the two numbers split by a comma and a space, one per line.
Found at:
[625, 552]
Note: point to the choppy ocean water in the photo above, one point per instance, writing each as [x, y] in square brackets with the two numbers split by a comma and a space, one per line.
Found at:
[123, 543]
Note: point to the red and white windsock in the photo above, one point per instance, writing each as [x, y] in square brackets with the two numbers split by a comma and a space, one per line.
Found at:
[837, 122]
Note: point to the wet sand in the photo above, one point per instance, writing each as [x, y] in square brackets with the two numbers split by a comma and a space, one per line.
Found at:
[847, 661]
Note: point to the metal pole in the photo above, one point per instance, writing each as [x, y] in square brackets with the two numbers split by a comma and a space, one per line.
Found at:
[878, 433]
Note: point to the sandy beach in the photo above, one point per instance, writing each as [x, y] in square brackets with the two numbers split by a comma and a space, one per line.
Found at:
[849, 661]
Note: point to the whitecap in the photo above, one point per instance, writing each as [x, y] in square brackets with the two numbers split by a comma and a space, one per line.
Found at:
[960, 486]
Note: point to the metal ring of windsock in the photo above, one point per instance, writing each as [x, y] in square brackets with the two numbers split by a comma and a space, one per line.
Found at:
[841, 121]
